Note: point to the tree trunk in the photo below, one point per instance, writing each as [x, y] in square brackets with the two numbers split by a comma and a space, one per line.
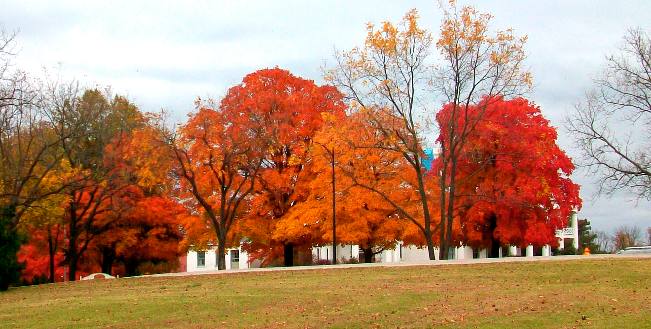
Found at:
[72, 255]
[450, 211]
[221, 256]
[289, 254]
[443, 246]
[426, 213]
[72, 267]
[368, 255]
[131, 267]
[51, 248]
[108, 258]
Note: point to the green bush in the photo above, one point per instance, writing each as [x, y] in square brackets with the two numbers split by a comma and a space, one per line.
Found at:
[568, 250]
[10, 242]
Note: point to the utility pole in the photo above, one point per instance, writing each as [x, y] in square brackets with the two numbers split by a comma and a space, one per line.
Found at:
[334, 210]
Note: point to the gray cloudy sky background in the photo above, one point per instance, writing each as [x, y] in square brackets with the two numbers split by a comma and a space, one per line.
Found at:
[163, 54]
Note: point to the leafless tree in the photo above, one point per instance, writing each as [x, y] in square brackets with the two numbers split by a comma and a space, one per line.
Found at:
[627, 236]
[604, 241]
[612, 125]
[28, 146]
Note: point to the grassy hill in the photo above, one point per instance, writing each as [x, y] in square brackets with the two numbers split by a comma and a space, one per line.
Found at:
[602, 293]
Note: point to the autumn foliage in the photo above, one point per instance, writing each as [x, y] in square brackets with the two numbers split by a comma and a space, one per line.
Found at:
[288, 110]
[106, 187]
[514, 185]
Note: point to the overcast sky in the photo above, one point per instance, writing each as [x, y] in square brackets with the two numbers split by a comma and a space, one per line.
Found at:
[163, 54]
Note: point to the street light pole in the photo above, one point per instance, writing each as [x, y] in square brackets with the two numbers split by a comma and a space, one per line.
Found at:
[334, 212]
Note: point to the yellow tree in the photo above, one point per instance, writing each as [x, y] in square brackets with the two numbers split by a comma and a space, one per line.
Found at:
[43, 219]
[392, 74]
[385, 78]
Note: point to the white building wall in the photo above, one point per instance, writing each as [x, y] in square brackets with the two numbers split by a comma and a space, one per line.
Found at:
[191, 261]
[211, 260]
[416, 254]
[227, 259]
[244, 259]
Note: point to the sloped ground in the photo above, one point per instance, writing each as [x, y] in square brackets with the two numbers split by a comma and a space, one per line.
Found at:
[586, 292]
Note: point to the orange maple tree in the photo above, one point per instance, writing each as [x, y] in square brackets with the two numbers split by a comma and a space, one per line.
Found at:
[217, 158]
[363, 218]
[288, 111]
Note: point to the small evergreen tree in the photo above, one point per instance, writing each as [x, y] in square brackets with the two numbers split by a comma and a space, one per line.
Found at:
[587, 238]
[10, 242]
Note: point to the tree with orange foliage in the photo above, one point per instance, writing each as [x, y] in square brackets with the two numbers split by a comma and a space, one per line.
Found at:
[363, 218]
[146, 233]
[514, 185]
[287, 111]
[385, 79]
[217, 158]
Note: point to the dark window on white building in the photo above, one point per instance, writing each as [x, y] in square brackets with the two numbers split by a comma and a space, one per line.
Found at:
[201, 258]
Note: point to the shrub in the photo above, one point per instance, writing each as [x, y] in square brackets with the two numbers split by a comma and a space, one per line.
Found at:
[10, 241]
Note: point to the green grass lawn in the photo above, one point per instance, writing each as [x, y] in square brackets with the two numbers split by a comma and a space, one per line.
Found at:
[607, 293]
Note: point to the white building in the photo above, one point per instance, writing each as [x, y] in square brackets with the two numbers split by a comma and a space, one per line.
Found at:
[207, 260]
[571, 232]
[238, 259]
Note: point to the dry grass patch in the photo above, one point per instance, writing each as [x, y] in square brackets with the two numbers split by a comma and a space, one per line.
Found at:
[611, 293]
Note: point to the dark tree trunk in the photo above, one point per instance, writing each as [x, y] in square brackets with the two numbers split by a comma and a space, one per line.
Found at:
[221, 256]
[51, 253]
[72, 266]
[494, 251]
[450, 205]
[131, 267]
[108, 258]
[289, 254]
[442, 202]
[426, 214]
[368, 255]
[72, 253]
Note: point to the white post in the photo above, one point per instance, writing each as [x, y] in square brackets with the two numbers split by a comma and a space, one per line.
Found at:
[529, 251]
[513, 250]
[355, 251]
[470, 253]
[575, 225]
[546, 250]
